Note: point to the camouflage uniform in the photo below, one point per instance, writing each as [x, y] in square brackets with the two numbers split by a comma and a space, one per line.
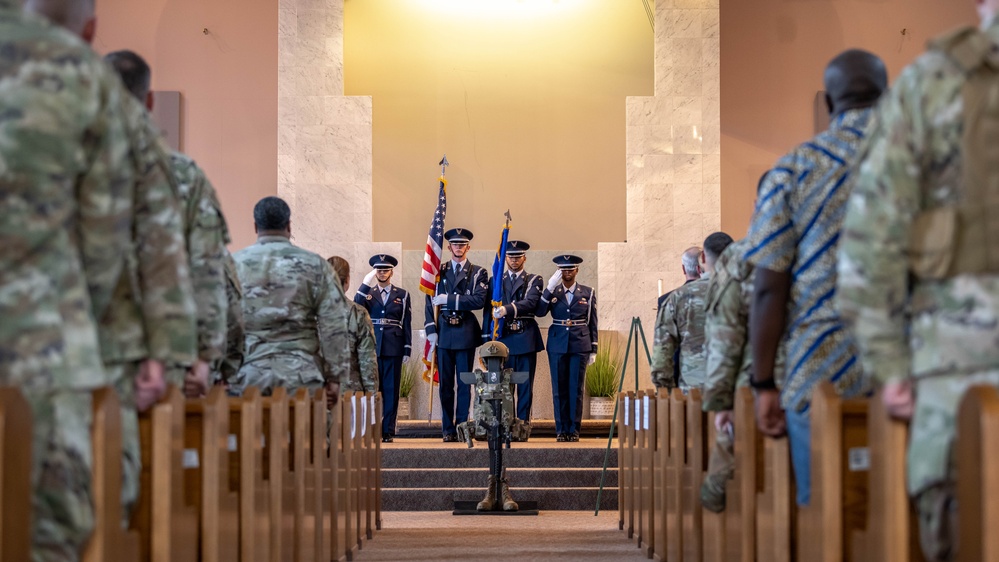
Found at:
[937, 328]
[235, 340]
[363, 361]
[151, 314]
[680, 324]
[729, 361]
[296, 318]
[62, 161]
[205, 235]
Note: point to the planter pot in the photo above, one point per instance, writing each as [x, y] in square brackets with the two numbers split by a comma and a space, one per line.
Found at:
[404, 408]
[601, 408]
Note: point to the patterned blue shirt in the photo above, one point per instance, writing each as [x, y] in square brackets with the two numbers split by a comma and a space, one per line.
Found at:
[796, 228]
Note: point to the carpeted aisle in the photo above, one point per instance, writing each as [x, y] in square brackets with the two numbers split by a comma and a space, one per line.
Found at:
[553, 535]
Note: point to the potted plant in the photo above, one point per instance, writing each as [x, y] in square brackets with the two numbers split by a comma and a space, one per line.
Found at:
[411, 372]
[603, 379]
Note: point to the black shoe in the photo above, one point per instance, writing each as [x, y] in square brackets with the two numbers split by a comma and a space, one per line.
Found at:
[453, 438]
[572, 437]
[561, 438]
[387, 438]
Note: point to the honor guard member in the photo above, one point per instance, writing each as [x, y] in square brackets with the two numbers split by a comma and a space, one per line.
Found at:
[521, 294]
[572, 342]
[462, 291]
[392, 316]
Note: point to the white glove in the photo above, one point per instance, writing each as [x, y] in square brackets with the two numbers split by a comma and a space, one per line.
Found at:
[499, 312]
[439, 300]
[592, 359]
[432, 338]
[405, 359]
[370, 279]
[554, 280]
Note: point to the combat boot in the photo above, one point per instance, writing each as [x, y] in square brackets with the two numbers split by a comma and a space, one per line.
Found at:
[489, 501]
[508, 503]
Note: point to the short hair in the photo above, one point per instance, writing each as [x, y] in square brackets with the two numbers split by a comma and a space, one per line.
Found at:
[341, 267]
[134, 71]
[271, 213]
[691, 260]
[716, 243]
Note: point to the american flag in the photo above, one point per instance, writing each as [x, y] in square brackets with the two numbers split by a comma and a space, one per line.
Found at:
[432, 269]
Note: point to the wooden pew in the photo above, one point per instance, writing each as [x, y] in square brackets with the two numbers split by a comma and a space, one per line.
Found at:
[168, 527]
[891, 531]
[638, 471]
[347, 504]
[663, 475]
[365, 524]
[377, 459]
[691, 459]
[649, 466]
[246, 470]
[976, 454]
[109, 542]
[713, 547]
[15, 475]
[774, 501]
[299, 414]
[627, 469]
[740, 493]
[372, 445]
[622, 444]
[275, 437]
[207, 482]
[838, 506]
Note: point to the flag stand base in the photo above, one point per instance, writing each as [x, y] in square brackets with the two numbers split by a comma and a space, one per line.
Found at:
[467, 507]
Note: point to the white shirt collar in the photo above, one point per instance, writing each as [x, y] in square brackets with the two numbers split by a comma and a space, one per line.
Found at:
[570, 289]
[386, 288]
[516, 274]
[457, 265]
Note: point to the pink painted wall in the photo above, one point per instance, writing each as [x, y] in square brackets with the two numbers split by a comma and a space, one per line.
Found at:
[773, 53]
[228, 84]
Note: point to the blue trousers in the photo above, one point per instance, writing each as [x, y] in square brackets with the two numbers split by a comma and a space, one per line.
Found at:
[799, 433]
[568, 374]
[450, 362]
[526, 363]
[389, 375]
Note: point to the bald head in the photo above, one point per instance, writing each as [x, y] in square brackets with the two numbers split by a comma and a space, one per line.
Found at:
[76, 16]
[855, 79]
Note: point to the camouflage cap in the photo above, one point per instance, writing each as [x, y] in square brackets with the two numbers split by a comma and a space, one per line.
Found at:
[494, 349]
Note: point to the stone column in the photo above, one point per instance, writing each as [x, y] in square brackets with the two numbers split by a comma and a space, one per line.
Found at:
[324, 138]
[673, 167]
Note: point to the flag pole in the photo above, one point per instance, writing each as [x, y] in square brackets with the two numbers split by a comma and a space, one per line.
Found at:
[437, 310]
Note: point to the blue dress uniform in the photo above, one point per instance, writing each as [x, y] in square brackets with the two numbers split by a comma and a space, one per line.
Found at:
[521, 335]
[458, 331]
[572, 338]
[392, 317]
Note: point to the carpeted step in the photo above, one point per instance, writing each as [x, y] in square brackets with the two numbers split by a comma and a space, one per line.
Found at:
[539, 428]
[471, 477]
[457, 455]
[549, 499]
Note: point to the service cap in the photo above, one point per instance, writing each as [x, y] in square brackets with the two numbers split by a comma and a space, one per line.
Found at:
[458, 235]
[516, 248]
[567, 261]
[383, 261]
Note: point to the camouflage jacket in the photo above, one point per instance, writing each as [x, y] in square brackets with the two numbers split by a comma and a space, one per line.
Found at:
[680, 325]
[152, 310]
[205, 233]
[63, 163]
[726, 329]
[363, 361]
[907, 326]
[294, 307]
[235, 340]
